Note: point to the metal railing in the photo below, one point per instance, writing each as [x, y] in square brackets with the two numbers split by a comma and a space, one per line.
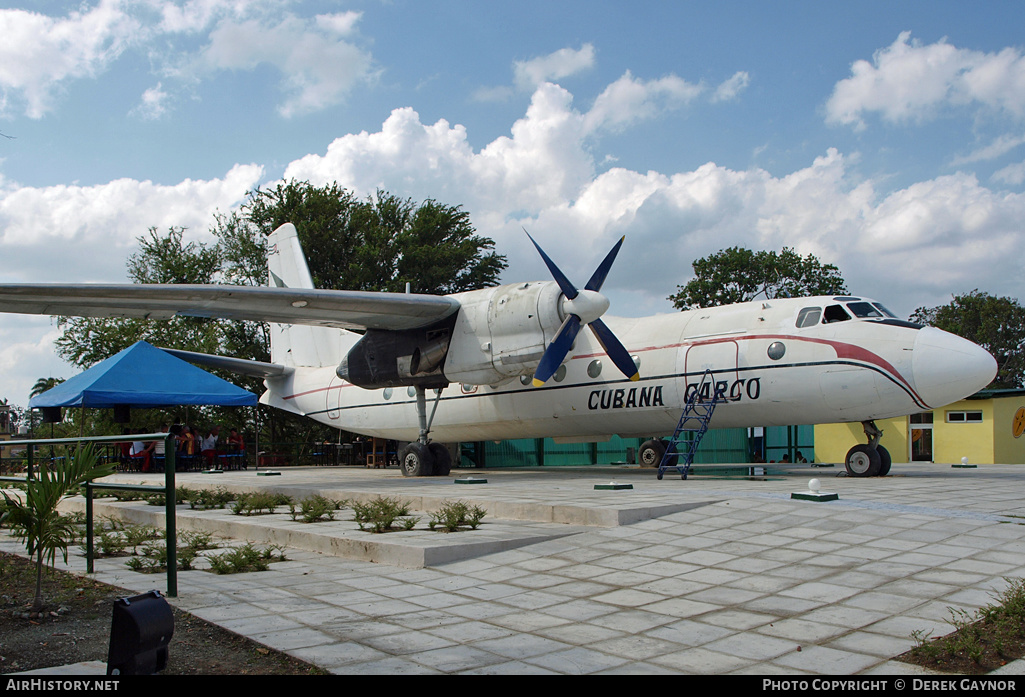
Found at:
[90, 487]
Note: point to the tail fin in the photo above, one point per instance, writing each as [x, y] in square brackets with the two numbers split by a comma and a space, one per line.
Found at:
[293, 344]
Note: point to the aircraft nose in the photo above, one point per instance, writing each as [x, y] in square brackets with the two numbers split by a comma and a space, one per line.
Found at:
[947, 368]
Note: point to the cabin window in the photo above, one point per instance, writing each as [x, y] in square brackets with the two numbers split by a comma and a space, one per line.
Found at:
[882, 308]
[835, 313]
[387, 392]
[594, 368]
[809, 317]
[964, 417]
[560, 373]
[525, 379]
[865, 310]
[411, 391]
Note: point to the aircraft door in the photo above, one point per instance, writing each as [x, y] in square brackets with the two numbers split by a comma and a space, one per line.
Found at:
[333, 398]
[722, 357]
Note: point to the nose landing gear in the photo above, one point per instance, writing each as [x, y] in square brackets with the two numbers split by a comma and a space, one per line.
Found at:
[871, 460]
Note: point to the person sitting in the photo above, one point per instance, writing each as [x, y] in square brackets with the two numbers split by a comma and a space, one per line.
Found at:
[236, 455]
[235, 441]
[142, 453]
[158, 449]
[208, 447]
[186, 447]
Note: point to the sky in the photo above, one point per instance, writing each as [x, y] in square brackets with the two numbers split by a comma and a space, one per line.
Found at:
[885, 138]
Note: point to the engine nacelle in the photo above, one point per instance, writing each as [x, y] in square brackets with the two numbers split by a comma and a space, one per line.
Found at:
[502, 332]
[392, 358]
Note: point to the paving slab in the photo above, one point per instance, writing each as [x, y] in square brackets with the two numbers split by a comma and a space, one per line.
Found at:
[706, 576]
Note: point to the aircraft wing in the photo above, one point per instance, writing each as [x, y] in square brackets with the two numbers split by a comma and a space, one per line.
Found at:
[328, 308]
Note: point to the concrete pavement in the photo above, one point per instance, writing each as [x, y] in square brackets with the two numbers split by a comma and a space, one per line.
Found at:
[712, 575]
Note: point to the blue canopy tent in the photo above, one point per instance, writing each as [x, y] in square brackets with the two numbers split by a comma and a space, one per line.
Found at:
[143, 376]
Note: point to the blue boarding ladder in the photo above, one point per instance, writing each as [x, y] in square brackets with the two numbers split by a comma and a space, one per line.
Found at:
[693, 424]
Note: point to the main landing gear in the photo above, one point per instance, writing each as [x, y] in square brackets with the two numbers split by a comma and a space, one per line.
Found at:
[422, 458]
[871, 460]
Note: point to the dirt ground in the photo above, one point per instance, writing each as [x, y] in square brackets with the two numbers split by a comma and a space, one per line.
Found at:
[75, 627]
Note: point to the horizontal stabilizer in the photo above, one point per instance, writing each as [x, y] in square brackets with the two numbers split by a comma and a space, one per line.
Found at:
[241, 366]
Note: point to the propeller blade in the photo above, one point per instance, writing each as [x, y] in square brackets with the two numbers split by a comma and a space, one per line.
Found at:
[598, 277]
[616, 351]
[568, 289]
[556, 352]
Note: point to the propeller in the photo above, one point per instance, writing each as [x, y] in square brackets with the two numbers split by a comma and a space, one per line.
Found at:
[582, 307]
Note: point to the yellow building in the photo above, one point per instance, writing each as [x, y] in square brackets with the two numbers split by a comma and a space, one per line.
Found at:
[987, 428]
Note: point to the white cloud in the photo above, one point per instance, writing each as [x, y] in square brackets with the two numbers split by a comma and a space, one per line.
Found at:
[318, 68]
[153, 104]
[1001, 146]
[555, 66]
[1011, 174]
[318, 62]
[732, 87]
[912, 247]
[27, 354]
[76, 233]
[39, 54]
[908, 81]
[341, 23]
[628, 100]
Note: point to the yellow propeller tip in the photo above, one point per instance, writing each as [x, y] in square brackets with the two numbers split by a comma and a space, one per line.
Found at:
[538, 383]
[635, 377]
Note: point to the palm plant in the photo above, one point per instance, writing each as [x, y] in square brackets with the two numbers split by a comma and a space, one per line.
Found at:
[36, 520]
[44, 384]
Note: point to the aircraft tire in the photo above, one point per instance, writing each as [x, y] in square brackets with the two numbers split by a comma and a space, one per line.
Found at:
[415, 460]
[442, 459]
[863, 461]
[884, 460]
[650, 453]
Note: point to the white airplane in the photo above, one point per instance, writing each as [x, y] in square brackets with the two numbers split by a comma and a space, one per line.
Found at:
[508, 361]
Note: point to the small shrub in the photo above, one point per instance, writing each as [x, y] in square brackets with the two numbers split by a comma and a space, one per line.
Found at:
[196, 540]
[203, 499]
[258, 503]
[137, 535]
[313, 509]
[122, 495]
[380, 514]
[452, 516]
[244, 559]
[110, 544]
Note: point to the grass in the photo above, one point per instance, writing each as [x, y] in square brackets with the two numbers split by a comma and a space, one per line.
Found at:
[981, 642]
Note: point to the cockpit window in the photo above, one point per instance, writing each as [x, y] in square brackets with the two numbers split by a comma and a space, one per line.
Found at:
[881, 308]
[865, 310]
[809, 317]
[835, 313]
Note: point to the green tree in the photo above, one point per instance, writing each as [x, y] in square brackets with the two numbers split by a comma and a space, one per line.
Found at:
[996, 324]
[86, 341]
[36, 520]
[380, 243]
[737, 275]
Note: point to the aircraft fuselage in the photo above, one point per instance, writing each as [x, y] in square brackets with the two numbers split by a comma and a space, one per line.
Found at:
[777, 362]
